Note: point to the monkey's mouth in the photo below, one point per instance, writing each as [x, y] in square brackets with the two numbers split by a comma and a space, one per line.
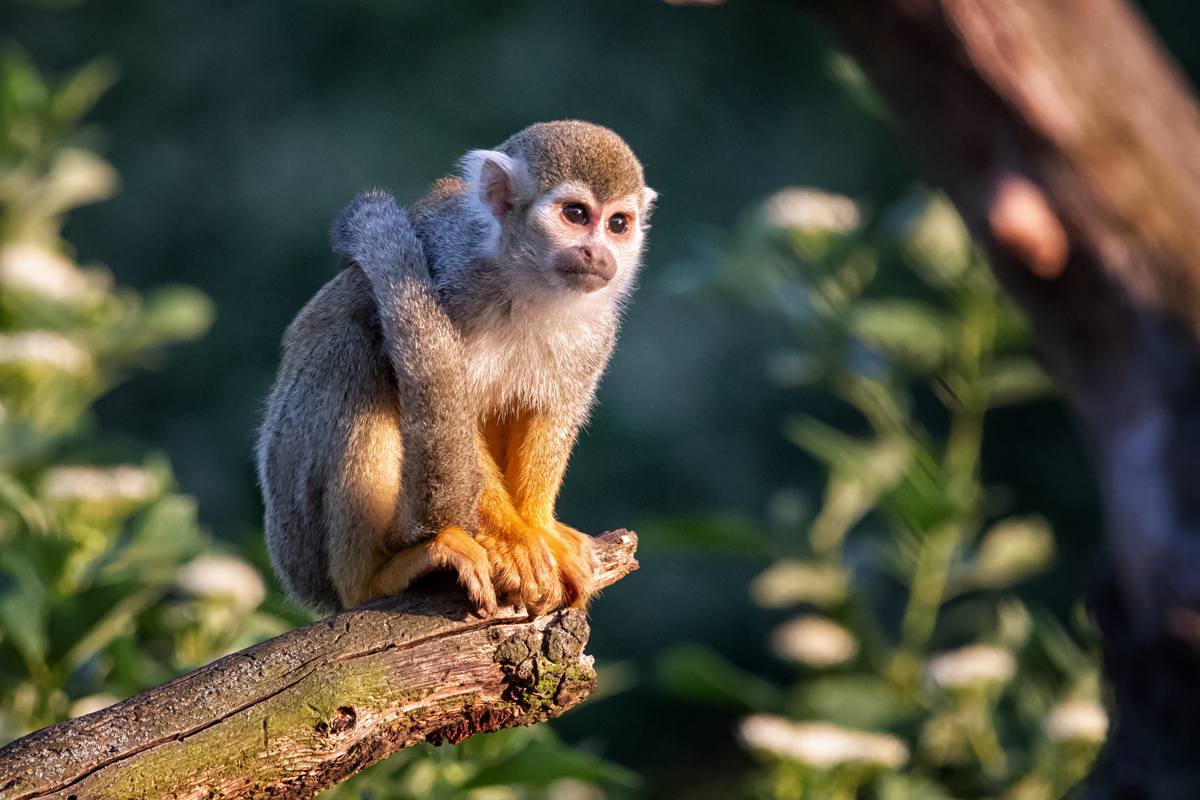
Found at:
[583, 272]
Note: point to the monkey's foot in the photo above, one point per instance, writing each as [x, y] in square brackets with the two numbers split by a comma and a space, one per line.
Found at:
[541, 569]
[453, 549]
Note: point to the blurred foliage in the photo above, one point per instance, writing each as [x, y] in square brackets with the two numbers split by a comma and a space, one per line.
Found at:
[513, 764]
[919, 673]
[108, 585]
[104, 590]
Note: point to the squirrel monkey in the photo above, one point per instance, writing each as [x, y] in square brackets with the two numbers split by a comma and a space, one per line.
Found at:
[429, 395]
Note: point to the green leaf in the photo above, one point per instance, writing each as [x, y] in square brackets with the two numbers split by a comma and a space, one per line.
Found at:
[178, 313]
[849, 76]
[1015, 381]
[541, 763]
[1013, 550]
[118, 620]
[860, 472]
[81, 91]
[164, 536]
[696, 673]
[23, 88]
[860, 701]
[23, 605]
[913, 333]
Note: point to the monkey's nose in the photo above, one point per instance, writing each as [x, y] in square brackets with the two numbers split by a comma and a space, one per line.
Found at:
[601, 263]
[586, 268]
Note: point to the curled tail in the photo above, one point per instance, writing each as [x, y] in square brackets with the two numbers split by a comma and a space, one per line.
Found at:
[440, 473]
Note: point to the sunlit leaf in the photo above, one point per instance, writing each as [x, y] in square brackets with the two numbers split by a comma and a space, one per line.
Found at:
[1016, 381]
[178, 313]
[1013, 550]
[913, 333]
[791, 582]
[82, 90]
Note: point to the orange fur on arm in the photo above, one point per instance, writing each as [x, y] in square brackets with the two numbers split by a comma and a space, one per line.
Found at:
[539, 446]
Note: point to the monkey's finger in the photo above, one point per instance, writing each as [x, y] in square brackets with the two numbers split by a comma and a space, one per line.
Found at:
[547, 574]
[475, 576]
[577, 562]
[535, 583]
[551, 597]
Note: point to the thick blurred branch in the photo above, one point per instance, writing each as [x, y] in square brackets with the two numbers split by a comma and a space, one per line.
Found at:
[308, 709]
[1071, 146]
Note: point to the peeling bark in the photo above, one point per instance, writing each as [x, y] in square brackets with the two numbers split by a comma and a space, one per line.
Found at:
[301, 712]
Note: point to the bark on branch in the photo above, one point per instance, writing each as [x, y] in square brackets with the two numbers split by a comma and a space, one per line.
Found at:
[303, 711]
[1071, 146]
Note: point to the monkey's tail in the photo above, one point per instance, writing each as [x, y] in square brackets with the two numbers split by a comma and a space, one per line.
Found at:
[376, 234]
[440, 475]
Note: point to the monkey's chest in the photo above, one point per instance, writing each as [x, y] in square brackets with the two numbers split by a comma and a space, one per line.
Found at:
[525, 366]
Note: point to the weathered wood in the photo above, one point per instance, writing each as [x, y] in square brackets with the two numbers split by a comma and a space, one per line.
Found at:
[303, 711]
[1071, 146]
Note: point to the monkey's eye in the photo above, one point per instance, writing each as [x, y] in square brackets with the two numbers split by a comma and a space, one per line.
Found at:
[618, 224]
[575, 213]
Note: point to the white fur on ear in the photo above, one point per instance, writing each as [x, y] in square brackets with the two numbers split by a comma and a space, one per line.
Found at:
[648, 198]
[495, 180]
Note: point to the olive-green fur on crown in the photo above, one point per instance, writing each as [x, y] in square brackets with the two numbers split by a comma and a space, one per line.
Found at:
[574, 151]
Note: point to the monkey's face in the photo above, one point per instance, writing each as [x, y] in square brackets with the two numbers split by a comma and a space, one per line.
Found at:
[593, 244]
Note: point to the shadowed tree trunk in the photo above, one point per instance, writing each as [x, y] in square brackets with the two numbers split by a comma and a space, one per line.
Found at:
[1071, 146]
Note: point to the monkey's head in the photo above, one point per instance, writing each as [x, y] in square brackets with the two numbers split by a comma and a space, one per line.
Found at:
[567, 206]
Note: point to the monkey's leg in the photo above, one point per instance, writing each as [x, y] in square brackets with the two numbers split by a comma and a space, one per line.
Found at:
[535, 560]
[375, 546]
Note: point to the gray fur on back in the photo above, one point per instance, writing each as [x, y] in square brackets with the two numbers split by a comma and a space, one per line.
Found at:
[374, 341]
[321, 382]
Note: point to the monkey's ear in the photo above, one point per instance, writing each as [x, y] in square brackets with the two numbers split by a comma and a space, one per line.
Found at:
[496, 188]
[648, 198]
[495, 179]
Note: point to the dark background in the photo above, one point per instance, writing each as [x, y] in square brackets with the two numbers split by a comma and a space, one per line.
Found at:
[240, 129]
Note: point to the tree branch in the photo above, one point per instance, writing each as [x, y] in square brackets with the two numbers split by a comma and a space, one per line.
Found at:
[303, 711]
